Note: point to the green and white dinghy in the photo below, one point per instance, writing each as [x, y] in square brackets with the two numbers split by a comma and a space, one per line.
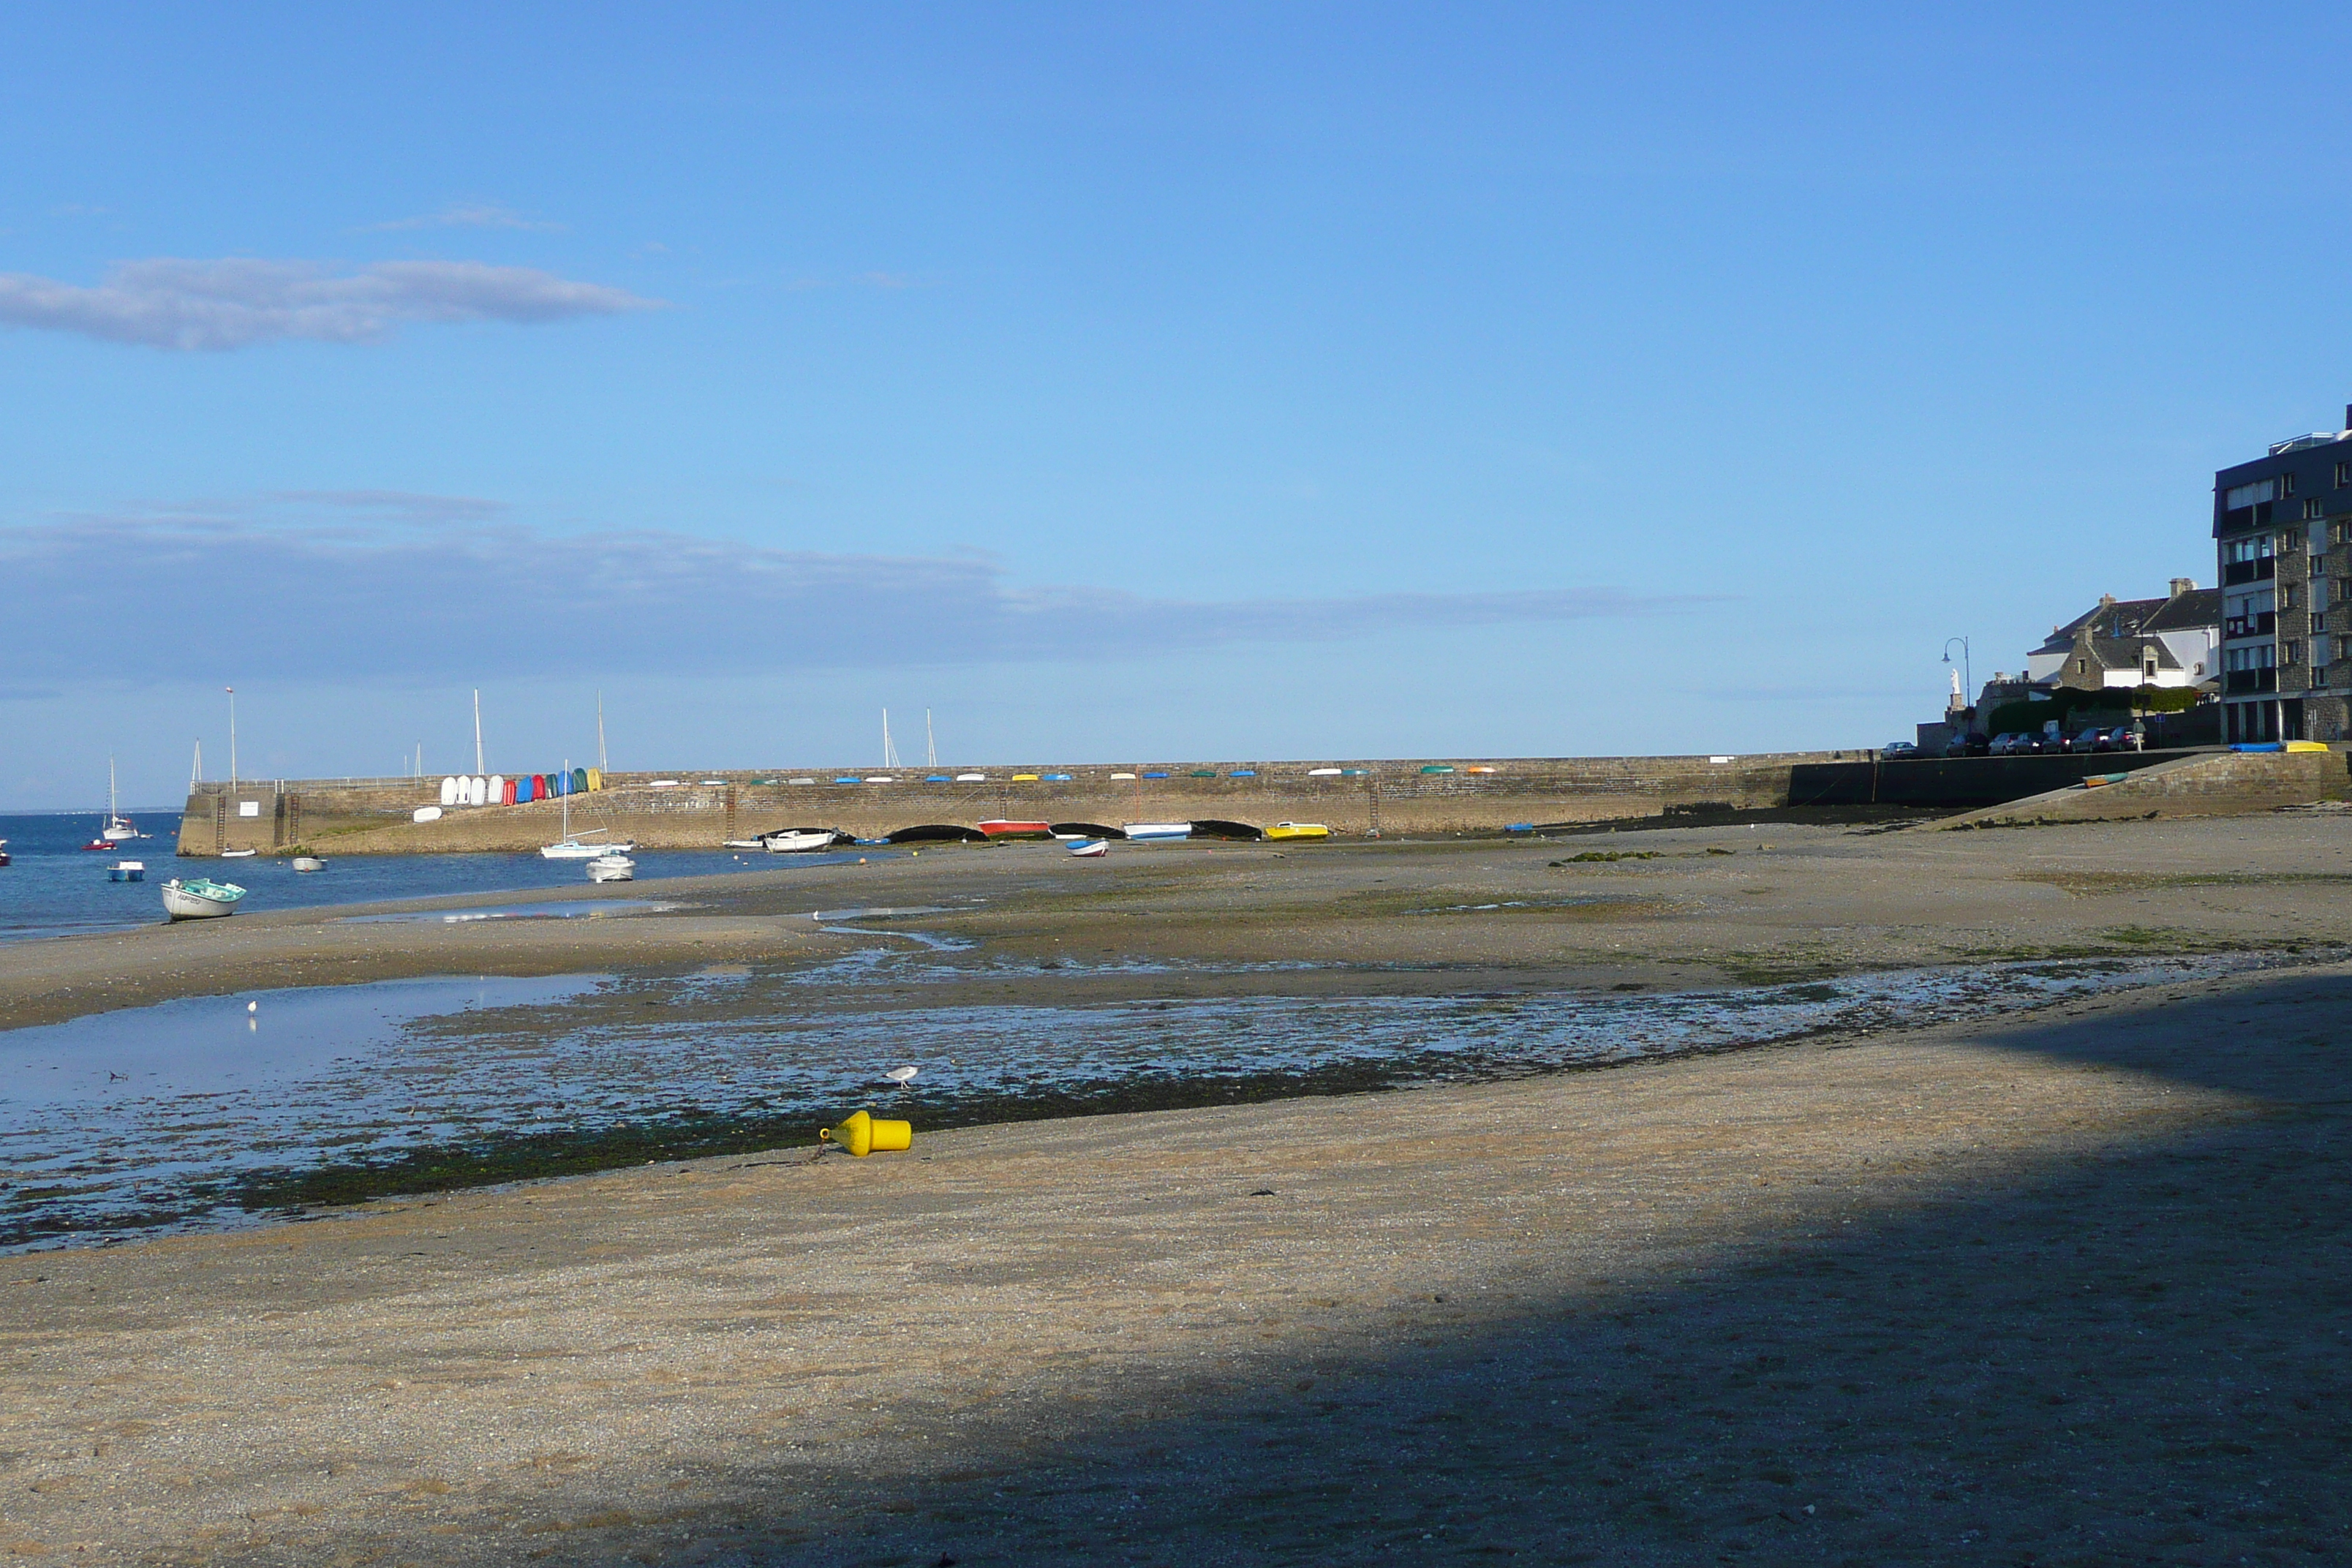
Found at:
[200, 898]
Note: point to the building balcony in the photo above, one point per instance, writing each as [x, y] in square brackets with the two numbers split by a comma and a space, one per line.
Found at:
[2262, 625]
[2260, 571]
[2241, 682]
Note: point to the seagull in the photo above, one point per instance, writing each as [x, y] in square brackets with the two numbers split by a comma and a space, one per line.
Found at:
[253, 1006]
[902, 1077]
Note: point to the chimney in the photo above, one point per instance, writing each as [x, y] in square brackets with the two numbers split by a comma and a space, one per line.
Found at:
[2348, 416]
[2189, 584]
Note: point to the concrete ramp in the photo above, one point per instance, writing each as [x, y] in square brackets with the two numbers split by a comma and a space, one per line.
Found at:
[2212, 783]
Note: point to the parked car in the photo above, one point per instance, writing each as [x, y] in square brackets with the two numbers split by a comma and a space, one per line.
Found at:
[2089, 740]
[1894, 749]
[1968, 746]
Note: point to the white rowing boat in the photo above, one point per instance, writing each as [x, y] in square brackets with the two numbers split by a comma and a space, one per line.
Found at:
[796, 840]
[200, 898]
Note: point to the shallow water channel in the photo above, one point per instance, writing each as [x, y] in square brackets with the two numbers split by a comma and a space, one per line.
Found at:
[220, 1110]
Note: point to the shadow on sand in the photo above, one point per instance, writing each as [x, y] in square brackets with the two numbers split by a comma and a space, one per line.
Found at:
[2141, 1357]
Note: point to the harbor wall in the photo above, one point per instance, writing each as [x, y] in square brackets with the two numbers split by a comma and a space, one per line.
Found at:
[702, 811]
[2207, 783]
[1390, 797]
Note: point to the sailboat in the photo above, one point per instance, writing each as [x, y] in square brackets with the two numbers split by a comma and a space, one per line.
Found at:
[570, 847]
[118, 826]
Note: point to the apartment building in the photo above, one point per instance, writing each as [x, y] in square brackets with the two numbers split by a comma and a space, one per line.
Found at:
[2282, 541]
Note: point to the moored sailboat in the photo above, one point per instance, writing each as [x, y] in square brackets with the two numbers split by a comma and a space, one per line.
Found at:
[570, 847]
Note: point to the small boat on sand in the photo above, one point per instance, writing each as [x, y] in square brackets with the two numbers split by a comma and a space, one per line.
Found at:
[996, 827]
[1158, 832]
[1090, 848]
[612, 868]
[1297, 830]
[200, 898]
[796, 840]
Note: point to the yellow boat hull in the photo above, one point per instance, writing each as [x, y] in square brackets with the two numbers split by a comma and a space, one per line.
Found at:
[1293, 831]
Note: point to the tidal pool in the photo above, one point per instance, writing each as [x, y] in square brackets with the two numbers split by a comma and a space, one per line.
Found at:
[203, 1112]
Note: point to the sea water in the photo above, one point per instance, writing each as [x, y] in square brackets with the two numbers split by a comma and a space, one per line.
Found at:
[55, 887]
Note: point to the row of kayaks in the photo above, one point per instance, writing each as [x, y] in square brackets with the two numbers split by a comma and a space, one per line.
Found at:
[1147, 832]
[810, 840]
[496, 789]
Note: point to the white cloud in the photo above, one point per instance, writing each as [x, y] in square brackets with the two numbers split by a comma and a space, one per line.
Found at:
[229, 304]
[468, 214]
[356, 601]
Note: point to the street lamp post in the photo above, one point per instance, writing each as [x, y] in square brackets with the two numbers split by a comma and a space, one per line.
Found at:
[1968, 671]
[232, 740]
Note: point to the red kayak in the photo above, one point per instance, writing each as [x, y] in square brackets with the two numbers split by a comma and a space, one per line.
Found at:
[1017, 829]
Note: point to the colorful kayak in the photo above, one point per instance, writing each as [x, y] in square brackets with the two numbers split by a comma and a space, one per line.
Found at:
[1297, 830]
[998, 828]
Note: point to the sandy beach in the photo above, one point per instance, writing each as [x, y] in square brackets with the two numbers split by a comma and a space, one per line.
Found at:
[2062, 1286]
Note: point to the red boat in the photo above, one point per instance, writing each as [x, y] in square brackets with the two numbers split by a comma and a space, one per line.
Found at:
[995, 829]
[102, 844]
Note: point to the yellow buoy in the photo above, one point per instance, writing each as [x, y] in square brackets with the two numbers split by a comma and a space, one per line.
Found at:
[861, 1135]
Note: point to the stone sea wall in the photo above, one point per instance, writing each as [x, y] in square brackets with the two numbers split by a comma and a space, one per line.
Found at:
[705, 810]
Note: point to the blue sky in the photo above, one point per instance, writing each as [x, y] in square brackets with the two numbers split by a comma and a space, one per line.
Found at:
[1222, 382]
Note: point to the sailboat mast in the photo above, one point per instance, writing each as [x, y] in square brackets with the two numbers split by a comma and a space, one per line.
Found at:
[477, 729]
[601, 764]
[931, 745]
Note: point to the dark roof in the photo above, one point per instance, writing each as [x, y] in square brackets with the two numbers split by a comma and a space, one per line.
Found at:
[2139, 618]
[2130, 653]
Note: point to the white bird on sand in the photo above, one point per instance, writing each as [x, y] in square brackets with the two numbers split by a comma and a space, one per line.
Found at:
[902, 1077]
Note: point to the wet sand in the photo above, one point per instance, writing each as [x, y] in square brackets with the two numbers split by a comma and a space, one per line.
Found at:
[2065, 1288]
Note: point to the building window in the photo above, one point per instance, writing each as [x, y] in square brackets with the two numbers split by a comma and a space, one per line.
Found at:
[2287, 486]
[2290, 652]
[2342, 474]
[2312, 510]
[2248, 495]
